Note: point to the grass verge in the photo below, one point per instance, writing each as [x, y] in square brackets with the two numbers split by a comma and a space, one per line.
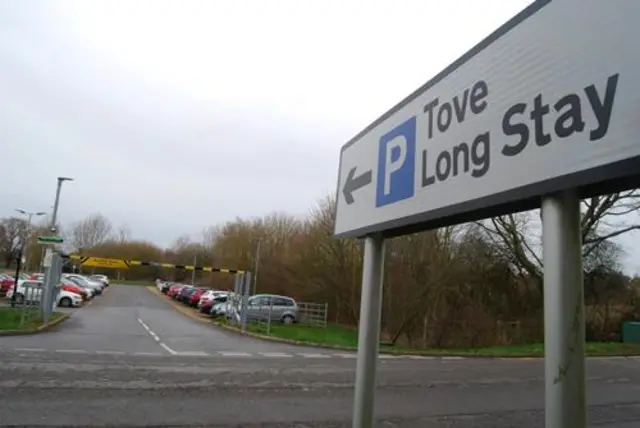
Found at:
[344, 337]
[10, 319]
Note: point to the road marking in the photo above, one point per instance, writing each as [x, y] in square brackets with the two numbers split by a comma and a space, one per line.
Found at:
[109, 352]
[234, 354]
[149, 354]
[420, 357]
[453, 358]
[193, 353]
[388, 356]
[275, 355]
[29, 349]
[71, 351]
[314, 355]
[346, 355]
[157, 338]
[166, 348]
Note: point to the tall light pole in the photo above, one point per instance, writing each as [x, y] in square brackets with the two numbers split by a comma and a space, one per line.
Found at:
[49, 293]
[25, 242]
[54, 217]
[256, 263]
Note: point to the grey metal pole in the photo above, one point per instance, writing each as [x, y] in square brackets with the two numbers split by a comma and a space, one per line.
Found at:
[564, 327]
[245, 299]
[369, 331]
[56, 204]
[257, 262]
[193, 272]
[25, 253]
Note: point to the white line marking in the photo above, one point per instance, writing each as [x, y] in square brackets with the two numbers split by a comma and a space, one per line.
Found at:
[234, 354]
[150, 354]
[109, 352]
[420, 357]
[275, 355]
[166, 348]
[346, 355]
[193, 353]
[71, 351]
[453, 358]
[314, 355]
[387, 356]
[29, 349]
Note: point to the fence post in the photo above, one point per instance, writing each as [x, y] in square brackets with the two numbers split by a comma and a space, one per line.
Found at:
[269, 316]
[245, 299]
[326, 313]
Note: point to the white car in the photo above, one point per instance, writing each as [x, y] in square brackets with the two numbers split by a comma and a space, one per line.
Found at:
[31, 292]
[85, 282]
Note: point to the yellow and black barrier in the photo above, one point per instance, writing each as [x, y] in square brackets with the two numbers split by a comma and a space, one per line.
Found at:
[126, 264]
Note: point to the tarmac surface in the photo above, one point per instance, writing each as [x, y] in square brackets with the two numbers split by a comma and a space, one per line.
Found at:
[130, 359]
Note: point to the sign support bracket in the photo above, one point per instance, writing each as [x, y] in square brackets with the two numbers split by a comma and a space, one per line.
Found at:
[369, 331]
[564, 324]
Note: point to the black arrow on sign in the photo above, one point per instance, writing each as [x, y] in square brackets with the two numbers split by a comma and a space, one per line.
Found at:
[354, 183]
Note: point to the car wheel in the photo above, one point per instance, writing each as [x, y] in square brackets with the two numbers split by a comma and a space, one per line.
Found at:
[287, 319]
[65, 302]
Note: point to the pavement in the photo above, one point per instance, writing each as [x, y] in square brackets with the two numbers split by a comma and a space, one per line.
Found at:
[129, 359]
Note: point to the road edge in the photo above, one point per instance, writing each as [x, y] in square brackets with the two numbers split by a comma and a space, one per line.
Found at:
[188, 312]
[42, 329]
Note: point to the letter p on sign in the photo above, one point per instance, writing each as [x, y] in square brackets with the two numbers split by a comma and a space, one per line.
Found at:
[396, 164]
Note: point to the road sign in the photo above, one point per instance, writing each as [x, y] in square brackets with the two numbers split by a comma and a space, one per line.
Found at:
[550, 101]
[104, 263]
[50, 239]
[48, 256]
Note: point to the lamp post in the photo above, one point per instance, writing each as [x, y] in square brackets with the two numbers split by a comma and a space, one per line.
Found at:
[255, 268]
[49, 296]
[54, 217]
[25, 243]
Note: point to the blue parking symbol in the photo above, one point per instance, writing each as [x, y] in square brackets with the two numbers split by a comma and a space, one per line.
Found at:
[396, 164]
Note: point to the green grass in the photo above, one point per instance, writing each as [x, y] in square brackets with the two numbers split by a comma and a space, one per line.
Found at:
[344, 337]
[10, 319]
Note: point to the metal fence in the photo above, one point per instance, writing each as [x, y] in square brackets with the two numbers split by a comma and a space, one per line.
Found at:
[307, 314]
[313, 314]
[29, 302]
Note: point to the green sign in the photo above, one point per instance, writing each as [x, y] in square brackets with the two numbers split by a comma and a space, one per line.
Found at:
[50, 239]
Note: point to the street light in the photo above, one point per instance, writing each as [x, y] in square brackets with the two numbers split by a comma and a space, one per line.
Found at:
[25, 245]
[54, 217]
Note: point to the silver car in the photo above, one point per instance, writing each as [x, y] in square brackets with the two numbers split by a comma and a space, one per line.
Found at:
[263, 307]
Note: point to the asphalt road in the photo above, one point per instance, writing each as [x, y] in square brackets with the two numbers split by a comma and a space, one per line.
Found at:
[104, 368]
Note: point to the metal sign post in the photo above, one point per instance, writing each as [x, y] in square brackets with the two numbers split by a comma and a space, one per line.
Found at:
[246, 291]
[369, 331]
[564, 327]
[237, 293]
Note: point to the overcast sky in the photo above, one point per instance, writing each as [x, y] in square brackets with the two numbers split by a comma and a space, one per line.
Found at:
[175, 115]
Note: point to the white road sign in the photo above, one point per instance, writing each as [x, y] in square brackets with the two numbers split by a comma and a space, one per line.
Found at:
[549, 101]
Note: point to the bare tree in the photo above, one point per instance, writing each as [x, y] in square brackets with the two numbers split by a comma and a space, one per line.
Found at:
[12, 232]
[519, 235]
[90, 232]
[123, 234]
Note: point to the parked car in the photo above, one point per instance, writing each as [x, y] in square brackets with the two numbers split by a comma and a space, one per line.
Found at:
[100, 278]
[174, 290]
[217, 297]
[261, 307]
[30, 292]
[84, 281]
[194, 297]
[6, 282]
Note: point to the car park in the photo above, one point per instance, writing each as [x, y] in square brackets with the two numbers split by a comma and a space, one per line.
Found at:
[30, 292]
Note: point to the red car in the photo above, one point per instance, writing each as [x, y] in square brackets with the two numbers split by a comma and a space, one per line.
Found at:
[194, 297]
[174, 290]
[6, 282]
